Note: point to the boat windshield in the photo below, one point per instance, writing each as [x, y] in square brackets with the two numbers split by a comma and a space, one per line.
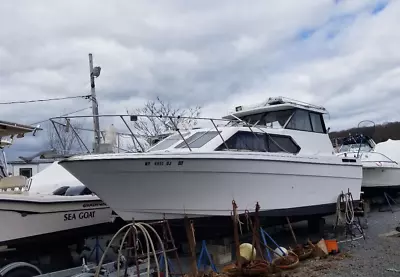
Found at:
[294, 119]
[355, 148]
[274, 119]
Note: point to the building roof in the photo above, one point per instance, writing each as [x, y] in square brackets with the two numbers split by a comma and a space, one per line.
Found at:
[10, 128]
[36, 161]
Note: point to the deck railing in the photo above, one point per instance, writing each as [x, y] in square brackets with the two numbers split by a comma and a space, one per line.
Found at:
[174, 122]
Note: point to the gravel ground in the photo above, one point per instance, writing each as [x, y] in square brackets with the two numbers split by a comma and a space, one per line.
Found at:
[375, 256]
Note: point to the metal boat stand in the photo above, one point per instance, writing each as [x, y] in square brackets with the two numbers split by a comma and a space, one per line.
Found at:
[168, 244]
[355, 224]
[388, 199]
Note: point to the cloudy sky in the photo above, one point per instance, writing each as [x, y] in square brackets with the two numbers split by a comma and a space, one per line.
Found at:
[342, 54]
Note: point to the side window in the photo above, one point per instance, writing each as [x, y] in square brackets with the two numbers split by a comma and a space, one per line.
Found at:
[198, 139]
[260, 142]
[300, 121]
[316, 122]
[246, 141]
[282, 144]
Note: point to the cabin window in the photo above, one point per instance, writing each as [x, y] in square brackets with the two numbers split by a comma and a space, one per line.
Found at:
[275, 119]
[317, 123]
[246, 141]
[27, 172]
[300, 121]
[260, 142]
[167, 142]
[198, 139]
[282, 144]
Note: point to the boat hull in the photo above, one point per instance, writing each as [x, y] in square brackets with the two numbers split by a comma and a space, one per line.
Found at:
[204, 185]
[377, 179]
[24, 218]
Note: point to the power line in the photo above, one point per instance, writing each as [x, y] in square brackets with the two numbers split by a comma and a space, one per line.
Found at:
[77, 111]
[45, 100]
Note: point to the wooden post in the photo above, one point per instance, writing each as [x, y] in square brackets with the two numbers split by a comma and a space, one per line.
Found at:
[192, 246]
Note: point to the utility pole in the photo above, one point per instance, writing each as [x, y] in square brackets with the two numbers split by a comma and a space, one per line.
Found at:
[94, 72]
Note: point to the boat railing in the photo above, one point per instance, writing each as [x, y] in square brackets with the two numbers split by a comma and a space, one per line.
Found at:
[173, 121]
[389, 160]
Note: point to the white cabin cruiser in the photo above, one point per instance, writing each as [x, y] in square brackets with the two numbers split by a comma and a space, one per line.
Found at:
[381, 170]
[278, 154]
[50, 205]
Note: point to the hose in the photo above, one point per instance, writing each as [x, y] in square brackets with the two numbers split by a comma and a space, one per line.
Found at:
[149, 244]
[348, 216]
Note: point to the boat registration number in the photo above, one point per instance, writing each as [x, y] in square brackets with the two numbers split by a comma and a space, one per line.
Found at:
[80, 215]
[163, 163]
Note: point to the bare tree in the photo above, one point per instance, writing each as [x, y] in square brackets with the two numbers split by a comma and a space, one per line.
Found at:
[62, 138]
[148, 128]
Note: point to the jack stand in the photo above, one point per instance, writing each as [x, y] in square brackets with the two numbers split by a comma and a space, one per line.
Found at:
[263, 234]
[350, 223]
[205, 254]
[388, 200]
[96, 248]
[354, 226]
[161, 262]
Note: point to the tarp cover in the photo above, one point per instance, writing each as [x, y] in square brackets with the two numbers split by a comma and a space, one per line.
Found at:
[389, 148]
[52, 178]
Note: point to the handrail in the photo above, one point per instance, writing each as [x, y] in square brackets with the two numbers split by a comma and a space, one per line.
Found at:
[392, 161]
[134, 117]
[142, 115]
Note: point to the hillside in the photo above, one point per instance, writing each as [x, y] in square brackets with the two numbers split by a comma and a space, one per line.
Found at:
[379, 133]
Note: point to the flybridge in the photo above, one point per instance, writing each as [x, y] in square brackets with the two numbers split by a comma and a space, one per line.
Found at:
[275, 103]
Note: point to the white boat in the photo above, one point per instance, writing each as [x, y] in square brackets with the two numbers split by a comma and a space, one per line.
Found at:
[381, 170]
[30, 211]
[278, 154]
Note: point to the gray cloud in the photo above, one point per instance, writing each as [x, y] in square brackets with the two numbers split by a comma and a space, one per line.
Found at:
[215, 54]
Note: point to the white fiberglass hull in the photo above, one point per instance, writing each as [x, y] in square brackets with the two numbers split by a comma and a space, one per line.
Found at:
[381, 176]
[145, 187]
[27, 216]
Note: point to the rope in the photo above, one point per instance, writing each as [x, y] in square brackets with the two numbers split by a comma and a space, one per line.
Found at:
[193, 232]
[239, 223]
[348, 216]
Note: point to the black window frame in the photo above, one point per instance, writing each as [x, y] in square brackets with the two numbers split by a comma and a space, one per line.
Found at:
[293, 118]
[309, 119]
[269, 138]
[321, 120]
[29, 169]
[262, 116]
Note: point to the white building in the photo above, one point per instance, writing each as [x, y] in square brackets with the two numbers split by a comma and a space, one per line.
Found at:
[28, 168]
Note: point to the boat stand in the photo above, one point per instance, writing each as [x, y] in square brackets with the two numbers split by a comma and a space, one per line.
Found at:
[161, 264]
[355, 223]
[168, 245]
[268, 253]
[205, 258]
[96, 249]
[388, 199]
